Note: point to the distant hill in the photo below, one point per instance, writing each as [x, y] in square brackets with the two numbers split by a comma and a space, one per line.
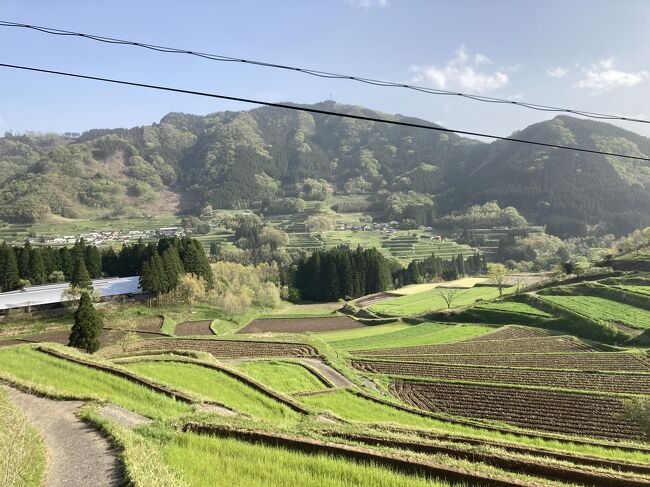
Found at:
[239, 159]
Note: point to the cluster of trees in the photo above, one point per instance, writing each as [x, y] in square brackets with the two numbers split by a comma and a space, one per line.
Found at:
[168, 261]
[487, 215]
[29, 265]
[435, 269]
[341, 273]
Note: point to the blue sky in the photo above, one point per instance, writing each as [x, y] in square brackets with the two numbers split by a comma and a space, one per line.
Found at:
[587, 54]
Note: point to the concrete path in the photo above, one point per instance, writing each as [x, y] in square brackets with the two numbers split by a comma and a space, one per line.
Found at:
[78, 455]
[334, 376]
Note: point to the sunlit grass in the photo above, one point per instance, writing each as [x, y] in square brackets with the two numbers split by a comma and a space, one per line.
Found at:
[282, 376]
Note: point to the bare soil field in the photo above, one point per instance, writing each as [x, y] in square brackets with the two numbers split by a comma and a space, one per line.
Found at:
[605, 382]
[604, 361]
[107, 337]
[559, 412]
[529, 345]
[227, 348]
[300, 325]
[189, 328]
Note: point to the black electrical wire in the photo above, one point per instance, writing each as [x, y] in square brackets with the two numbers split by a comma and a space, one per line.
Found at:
[318, 111]
[323, 74]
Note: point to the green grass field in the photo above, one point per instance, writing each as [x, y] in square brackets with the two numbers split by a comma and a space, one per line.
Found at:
[22, 451]
[635, 289]
[208, 461]
[427, 301]
[513, 307]
[217, 386]
[412, 335]
[598, 308]
[28, 365]
[282, 376]
[361, 333]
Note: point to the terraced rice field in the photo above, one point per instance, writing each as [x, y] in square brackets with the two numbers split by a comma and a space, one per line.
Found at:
[403, 335]
[284, 377]
[606, 382]
[525, 345]
[431, 300]
[604, 361]
[510, 333]
[559, 412]
[227, 348]
[513, 307]
[598, 308]
[301, 325]
[645, 290]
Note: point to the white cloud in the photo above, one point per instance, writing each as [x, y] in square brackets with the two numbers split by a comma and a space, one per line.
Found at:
[602, 76]
[462, 72]
[367, 3]
[557, 72]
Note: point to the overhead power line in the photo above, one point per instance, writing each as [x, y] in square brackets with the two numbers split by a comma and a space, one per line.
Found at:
[319, 111]
[323, 74]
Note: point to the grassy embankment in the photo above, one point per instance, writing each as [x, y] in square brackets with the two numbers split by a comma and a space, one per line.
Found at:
[22, 451]
[598, 308]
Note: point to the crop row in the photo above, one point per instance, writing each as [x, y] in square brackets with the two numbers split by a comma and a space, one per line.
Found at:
[604, 361]
[510, 333]
[539, 345]
[622, 383]
[559, 412]
[227, 348]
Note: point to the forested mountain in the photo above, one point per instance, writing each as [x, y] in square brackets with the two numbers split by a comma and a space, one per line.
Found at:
[250, 159]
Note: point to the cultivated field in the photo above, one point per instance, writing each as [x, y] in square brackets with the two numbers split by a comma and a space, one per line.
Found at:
[561, 412]
[300, 325]
[227, 348]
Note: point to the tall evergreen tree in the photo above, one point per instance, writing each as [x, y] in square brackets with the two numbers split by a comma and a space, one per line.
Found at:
[36, 268]
[10, 278]
[87, 325]
[80, 277]
[93, 261]
[23, 256]
[110, 262]
[67, 263]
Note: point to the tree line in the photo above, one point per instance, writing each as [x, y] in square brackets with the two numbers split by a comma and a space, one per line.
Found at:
[434, 268]
[31, 265]
[327, 275]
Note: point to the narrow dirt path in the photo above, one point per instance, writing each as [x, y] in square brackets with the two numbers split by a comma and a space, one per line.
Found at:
[78, 455]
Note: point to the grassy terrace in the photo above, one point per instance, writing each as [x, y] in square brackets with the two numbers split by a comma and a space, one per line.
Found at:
[282, 376]
[598, 308]
[635, 289]
[215, 385]
[408, 335]
[513, 307]
[208, 461]
[426, 301]
[59, 376]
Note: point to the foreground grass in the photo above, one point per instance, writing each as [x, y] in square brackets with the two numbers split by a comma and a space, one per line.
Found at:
[598, 308]
[358, 409]
[282, 376]
[27, 365]
[208, 461]
[422, 334]
[22, 452]
[217, 386]
[431, 300]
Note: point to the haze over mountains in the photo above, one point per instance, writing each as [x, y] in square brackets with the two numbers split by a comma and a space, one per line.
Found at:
[241, 159]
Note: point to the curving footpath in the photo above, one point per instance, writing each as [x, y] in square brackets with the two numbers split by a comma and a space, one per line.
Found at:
[78, 455]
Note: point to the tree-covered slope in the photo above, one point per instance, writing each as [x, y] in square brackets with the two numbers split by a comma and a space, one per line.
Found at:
[241, 159]
[560, 187]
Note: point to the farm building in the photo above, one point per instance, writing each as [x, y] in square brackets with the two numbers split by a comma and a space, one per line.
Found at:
[50, 294]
